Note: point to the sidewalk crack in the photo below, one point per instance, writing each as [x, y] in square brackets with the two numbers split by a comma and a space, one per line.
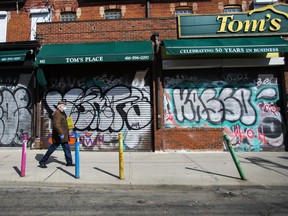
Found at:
[50, 175]
[205, 170]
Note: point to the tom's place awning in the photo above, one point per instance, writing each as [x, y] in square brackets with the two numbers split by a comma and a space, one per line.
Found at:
[248, 45]
[13, 55]
[95, 52]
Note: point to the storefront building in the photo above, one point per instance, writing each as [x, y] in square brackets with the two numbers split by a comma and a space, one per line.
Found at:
[166, 81]
[108, 83]
[107, 90]
[225, 75]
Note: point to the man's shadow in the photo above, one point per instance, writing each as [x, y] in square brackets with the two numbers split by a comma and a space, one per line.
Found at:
[52, 159]
[38, 157]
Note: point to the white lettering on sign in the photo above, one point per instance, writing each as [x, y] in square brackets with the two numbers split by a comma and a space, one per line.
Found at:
[84, 59]
[11, 59]
[229, 50]
[74, 60]
[189, 51]
[256, 50]
[94, 59]
[136, 58]
[234, 50]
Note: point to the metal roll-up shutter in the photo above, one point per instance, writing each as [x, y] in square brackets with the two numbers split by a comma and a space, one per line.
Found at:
[16, 93]
[102, 105]
[246, 103]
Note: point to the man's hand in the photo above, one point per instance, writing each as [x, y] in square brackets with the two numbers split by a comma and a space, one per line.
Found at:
[62, 137]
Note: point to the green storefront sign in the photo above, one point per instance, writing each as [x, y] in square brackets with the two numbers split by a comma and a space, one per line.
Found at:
[248, 45]
[269, 20]
[81, 53]
[13, 56]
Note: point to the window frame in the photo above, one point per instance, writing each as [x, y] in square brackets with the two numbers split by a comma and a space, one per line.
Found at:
[233, 8]
[67, 19]
[106, 16]
[183, 8]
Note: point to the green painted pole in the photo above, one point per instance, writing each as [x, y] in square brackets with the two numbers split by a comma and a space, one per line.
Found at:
[234, 156]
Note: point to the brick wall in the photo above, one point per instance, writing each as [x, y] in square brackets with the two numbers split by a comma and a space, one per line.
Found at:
[105, 30]
[97, 12]
[167, 9]
[19, 23]
[15, 27]
[193, 139]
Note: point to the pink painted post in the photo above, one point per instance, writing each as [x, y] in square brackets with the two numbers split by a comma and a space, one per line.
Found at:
[24, 148]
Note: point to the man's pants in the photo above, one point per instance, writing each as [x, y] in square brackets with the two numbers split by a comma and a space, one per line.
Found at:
[53, 147]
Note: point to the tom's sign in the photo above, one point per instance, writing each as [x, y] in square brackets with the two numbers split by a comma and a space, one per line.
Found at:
[269, 20]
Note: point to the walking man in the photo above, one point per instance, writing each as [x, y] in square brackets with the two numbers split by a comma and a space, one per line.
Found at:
[60, 135]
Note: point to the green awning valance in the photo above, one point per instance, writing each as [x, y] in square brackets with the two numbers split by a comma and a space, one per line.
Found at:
[95, 52]
[41, 77]
[13, 55]
[247, 45]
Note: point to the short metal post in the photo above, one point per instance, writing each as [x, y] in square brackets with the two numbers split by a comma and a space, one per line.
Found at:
[24, 150]
[77, 156]
[121, 158]
[234, 156]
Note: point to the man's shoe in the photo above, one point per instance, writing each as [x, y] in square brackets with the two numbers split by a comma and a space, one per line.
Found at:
[70, 164]
[42, 165]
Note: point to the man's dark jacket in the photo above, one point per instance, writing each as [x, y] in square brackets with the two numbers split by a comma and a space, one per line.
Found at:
[60, 127]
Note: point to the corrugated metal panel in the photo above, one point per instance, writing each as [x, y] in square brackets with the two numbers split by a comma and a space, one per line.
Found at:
[103, 105]
[242, 101]
[15, 107]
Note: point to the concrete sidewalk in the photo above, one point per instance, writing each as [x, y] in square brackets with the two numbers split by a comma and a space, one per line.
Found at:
[147, 168]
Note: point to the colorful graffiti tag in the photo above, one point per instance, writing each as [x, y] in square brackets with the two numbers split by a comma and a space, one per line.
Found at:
[248, 113]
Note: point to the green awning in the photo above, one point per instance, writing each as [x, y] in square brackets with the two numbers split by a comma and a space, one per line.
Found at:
[13, 55]
[95, 52]
[41, 77]
[248, 45]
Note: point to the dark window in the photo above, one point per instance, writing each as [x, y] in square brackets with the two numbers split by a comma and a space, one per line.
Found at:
[232, 8]
[183, 10]
[68, 17]
[112, 14]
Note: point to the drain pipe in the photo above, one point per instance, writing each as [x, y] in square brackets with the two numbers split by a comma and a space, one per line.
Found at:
[147, 9]
[17, 7]
[158, 81]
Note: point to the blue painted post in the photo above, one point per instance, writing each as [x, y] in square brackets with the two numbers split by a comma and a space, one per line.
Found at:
[77, 156]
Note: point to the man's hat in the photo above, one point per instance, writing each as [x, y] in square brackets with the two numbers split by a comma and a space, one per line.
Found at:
[61, 102]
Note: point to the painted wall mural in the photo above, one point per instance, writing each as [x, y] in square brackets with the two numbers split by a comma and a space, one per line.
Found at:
[15, 114]
[245, 107]
[102, 107]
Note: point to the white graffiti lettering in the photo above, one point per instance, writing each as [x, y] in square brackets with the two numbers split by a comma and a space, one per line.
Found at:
[15, 115]
[93, 109]
[231, 105]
